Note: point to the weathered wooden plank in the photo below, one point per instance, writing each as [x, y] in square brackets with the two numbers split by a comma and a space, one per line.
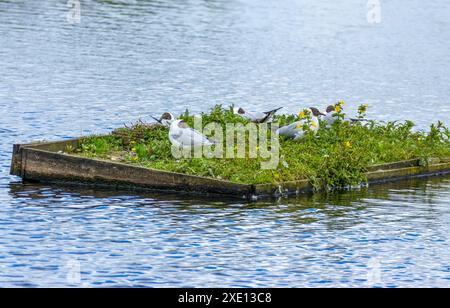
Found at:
[382, 176]
[406, 164]
[16, 161]
[395, 165]
[47, 166]
[55, 146]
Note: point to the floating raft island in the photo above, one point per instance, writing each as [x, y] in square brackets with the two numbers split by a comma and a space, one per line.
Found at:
[132, 158]
[45, 162]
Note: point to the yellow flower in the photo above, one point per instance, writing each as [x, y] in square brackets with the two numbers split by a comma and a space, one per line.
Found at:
[302, 115]
[298, 126]
[133, 149]
[348, 144]
[313, 125]
[363, 107]
[338, 108]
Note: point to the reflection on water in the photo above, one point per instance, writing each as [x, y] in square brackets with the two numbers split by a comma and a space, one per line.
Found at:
[129, 59]
[120, 239]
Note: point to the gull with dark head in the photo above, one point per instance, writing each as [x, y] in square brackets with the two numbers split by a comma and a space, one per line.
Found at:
[296, 130]
[180, 135]
[331, 116]
[330, 113]
[166, 119]
[255, 116]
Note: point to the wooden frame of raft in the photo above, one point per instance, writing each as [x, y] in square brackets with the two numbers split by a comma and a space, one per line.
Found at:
[46, 162]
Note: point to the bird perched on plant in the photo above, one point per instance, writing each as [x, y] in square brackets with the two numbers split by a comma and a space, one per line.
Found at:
[256, 116]
[166, 119]
[180, 135]
[332, 114]
[309, 121]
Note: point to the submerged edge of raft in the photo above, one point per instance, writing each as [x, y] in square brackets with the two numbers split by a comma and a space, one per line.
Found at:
[46, 162]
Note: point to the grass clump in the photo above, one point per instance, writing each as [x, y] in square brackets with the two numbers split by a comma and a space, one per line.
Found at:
[335, 157]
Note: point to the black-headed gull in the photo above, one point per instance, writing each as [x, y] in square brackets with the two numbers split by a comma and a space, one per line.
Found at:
[296, 130]
[166, 119]
[330, 113]
[256, 117]
[331, 116]
[180, 135]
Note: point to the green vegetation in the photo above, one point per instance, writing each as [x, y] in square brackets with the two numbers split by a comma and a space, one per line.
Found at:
[335, 157]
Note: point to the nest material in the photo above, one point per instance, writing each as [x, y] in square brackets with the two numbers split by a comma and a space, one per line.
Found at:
[134, 132]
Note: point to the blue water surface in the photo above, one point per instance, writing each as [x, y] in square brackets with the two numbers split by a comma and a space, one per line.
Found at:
[130, 59]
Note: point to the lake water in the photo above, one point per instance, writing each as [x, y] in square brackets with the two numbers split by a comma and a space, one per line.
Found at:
[130, 59]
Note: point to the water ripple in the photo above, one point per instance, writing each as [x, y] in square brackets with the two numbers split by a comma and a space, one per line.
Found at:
[129, 59]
